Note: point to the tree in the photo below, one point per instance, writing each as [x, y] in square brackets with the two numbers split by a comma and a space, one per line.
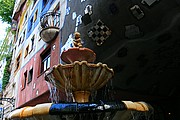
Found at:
[6, 73]
[6, 10]
[6, 54]
[5, 46]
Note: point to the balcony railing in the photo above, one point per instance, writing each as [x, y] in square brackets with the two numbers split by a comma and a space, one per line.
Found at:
[50, 23]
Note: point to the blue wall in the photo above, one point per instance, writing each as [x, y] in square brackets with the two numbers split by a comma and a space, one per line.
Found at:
[41, 10]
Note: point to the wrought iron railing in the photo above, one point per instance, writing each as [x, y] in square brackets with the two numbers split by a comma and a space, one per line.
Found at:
[50, 19]
[10, 100]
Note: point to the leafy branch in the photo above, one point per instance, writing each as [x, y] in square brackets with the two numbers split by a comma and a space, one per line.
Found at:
[5, 46]
[6, 75]
[6, 10]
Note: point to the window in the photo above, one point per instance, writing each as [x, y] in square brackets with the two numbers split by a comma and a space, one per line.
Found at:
[18, 62]
[25, 18]
[31, 23]
[35, 15]
[30, 75]
[34, 2]
[23, 82]
[52, 1]
[24, 33]
[26, 51]
[32, 43]
[45, 60]
[19, 41]
[44, 3]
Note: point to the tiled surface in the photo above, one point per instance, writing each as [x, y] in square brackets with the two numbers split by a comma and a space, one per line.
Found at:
[99, 32]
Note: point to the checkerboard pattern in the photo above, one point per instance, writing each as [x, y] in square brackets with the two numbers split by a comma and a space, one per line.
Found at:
[99, 32]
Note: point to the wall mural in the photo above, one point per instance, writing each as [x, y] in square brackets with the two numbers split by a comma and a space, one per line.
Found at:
[135, 37]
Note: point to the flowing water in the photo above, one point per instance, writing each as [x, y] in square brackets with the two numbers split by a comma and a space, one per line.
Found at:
[107, 95]
[54, 92]
[68, 86]
[142, 115]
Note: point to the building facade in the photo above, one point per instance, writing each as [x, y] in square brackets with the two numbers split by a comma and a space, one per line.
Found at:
[31, 55]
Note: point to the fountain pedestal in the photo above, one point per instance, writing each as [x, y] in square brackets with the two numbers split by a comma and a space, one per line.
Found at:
[81, 96]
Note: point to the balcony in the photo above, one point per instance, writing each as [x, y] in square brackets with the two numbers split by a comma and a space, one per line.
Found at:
[50, 23]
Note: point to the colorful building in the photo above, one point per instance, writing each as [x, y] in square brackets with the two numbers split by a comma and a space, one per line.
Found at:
[31, 55]
[138, 39]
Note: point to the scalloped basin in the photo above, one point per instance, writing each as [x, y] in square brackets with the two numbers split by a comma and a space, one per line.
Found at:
[78, 54]
[48, 111]
[83, 77]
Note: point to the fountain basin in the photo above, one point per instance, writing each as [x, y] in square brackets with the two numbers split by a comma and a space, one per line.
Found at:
[78, 54]
[75, 108]
[80, 76]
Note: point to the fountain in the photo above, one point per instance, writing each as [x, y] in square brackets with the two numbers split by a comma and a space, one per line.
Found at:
[79, 78]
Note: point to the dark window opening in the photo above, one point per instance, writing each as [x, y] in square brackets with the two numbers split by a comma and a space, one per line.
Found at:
[31, 23]
[32, 43]
[25, 18]
[19, 41]
[24, 34]
[52, 1]
[26, 51]
[18, 62]
[30, 75]
[34, 2]
[35, 15]
[24, 81]
[44, 3]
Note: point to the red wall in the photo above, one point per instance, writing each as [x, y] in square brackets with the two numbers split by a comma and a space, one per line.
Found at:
[28, 96]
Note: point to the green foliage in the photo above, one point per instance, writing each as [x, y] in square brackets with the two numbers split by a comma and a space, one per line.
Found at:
[6, 10]
[4, 47]
[6, 74]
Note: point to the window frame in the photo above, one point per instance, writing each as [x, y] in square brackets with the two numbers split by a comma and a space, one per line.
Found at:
[24, 80]
[35, 16]
[18, 62]
[45, 60]
[26, 51]
[30, 75]
[44, 3]
[32, 43]
[31, 23]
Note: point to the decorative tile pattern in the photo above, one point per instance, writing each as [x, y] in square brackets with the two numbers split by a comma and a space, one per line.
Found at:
[78, 21]
[83, 0]
[99, 32]
[88, 10]
[133, 31]
[148, 2]
[74, 15]
[68, 10]
[137, 12]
